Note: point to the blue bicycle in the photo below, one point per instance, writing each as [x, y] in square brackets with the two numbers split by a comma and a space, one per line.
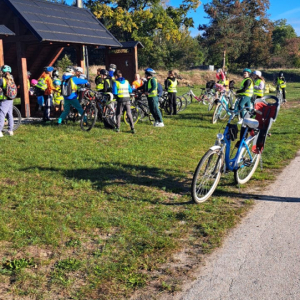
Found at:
[217, 159]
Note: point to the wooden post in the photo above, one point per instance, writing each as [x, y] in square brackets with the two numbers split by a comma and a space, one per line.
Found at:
[79, 54]
[136, 67]
[224, 60]
[1, 53]
[22, 73]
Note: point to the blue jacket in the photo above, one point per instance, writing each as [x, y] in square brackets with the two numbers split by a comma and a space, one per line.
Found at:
[114, 87]
[77, 81]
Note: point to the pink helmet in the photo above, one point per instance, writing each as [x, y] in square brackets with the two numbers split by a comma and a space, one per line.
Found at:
[34, 82]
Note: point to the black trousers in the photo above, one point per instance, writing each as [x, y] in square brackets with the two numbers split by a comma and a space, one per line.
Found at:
[172, 103]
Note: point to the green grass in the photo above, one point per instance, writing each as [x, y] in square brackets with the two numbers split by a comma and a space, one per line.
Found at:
[92, 215]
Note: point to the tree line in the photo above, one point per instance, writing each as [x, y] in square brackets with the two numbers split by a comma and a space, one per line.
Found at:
[239, 29]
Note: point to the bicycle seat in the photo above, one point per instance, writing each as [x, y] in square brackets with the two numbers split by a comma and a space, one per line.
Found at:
[251, 123]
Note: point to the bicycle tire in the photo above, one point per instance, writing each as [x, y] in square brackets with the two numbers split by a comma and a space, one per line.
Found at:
[166, 106]
[187, 99]
[141, 113]
[110, 114]
[184, 103]
[211, 102]
[178, 104]
[17, 120]
[89, 117]
[134, 113]
[207, 175]
[216, 114]
[244, 173]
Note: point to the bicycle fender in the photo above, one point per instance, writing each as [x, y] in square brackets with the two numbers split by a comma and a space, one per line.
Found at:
[216, 147]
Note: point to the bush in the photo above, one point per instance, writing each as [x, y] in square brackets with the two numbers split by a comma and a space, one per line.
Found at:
[63, 63]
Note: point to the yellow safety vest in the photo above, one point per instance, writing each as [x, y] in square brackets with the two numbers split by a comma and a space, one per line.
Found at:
[172, 86]
[281, 83]
[57, 97]
[257, 92]
[100, 86]
[154, 92]
[123, 89]
[2, 94]
[249, 92]
[42, 84]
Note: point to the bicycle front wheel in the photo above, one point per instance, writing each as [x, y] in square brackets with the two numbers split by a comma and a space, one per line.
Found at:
[216, 114]
[16, 118]
[89, 117]
[134, 113]
[246, 167]
[207, 175]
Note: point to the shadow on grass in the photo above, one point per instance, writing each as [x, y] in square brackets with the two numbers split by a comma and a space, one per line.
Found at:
[125, 174]
[257, 197]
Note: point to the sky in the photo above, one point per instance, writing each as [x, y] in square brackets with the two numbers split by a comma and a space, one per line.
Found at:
[287, 9]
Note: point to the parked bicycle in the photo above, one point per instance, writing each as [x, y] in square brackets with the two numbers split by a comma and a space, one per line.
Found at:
[17, 120]
[218, 159]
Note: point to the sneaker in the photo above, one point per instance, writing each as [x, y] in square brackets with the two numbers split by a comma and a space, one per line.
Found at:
[155, 124]
[1, 134]
[117, 129]
[284, 101]
[160, 124]
[133, 131]
[10, 133]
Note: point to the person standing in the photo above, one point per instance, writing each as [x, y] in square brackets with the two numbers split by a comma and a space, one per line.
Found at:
[71, 83]
[6, 104]
[138, 82]
[150, 88]
[46, 78]
[281, 83]
[122, 90]
[259, 85]
[171, 87]
[246, 92]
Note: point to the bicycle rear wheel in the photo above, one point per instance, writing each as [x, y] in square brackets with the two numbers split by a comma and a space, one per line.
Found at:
[216, 114]
[17, 120]
[207, 175]
[110, 114]
[89, 117]
[246, 167]
[183, 103]
[134, 113]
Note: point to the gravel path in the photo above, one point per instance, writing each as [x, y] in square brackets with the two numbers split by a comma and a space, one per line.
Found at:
[260, 259]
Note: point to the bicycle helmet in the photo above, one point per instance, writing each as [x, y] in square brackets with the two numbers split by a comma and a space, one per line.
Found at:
[6, 69]
[55, 73]
[28, 73]
[78, 69]
[149, 72]
[69, 69]
[34, 82]
[104, 72]
[281, 74]
[113, 66]
[57, 82]
[258, 73]
[247, 70]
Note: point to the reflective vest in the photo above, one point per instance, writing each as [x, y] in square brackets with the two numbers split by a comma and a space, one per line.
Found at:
[172, 86]
[154, 92]
[281, 83]
[100, 85]
[57, 97]
[42, 85]
[257, 92]
[2, 94]
[249, 91]
[123, 89]
[28, 84]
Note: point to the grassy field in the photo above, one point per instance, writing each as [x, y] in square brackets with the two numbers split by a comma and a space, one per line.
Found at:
[96, 215]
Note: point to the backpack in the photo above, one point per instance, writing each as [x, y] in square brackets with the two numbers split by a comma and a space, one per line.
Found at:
[11, 90]
[66, 87]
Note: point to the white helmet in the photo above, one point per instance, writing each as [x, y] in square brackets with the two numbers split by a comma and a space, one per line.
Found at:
[258, 73]
[78, 69]
[69, 69]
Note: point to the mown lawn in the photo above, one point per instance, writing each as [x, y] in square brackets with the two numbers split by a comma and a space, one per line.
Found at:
[92, 215]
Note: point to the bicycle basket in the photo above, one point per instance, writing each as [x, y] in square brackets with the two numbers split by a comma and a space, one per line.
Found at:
[233, 131]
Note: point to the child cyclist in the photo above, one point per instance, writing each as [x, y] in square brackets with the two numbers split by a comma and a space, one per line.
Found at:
[281, 83]
[171, 87]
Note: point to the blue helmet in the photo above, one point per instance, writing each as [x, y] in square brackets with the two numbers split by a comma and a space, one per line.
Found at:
[149, 71]
[6, 68]
[57, 82]
[48, 69]
[247, 70]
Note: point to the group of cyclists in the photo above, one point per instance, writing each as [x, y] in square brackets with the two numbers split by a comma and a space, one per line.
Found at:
[251, 88]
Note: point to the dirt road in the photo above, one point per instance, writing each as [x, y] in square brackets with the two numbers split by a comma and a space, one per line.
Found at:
[260, 259]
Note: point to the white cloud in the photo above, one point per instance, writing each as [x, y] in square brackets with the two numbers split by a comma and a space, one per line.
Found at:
[289, 12]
